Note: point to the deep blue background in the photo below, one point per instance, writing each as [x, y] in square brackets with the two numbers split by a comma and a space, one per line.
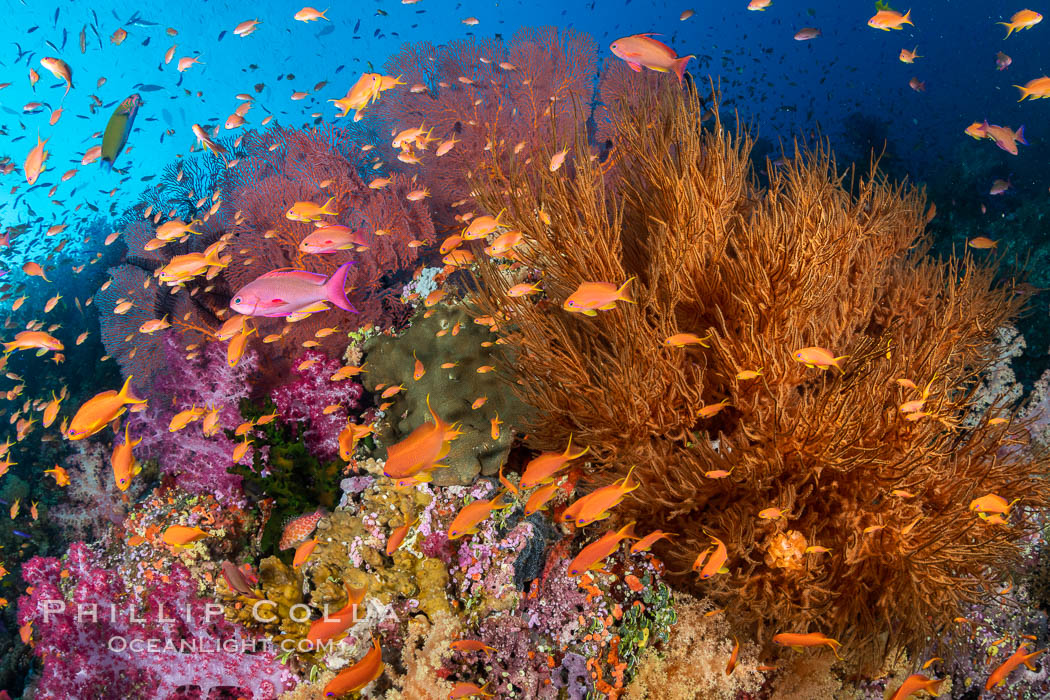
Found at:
[779, 86]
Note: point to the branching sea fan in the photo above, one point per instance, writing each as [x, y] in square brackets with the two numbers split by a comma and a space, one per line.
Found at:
[828, 457]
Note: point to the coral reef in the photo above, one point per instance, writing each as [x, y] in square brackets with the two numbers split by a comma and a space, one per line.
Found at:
[450, 347]
[720, 431]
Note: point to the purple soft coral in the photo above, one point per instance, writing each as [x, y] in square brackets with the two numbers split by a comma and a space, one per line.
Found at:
[99, 636]
[305, 400]
[198, 463]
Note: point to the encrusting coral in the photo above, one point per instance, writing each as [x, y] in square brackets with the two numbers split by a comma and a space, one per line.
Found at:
[719, 432]
[459, 383]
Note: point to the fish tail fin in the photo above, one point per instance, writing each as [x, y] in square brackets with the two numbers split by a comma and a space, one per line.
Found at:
[322, 14]
[212, 253]
[906, 19]
[679, 66]
[1009, 29]
[335, 287]
[326, 210]
[627, 531]
[125, 393]
[1024, 92]
[834, 644]
[1019, 136]
[623, 289]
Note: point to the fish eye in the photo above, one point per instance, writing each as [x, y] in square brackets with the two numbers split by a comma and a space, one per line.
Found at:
[236, 300]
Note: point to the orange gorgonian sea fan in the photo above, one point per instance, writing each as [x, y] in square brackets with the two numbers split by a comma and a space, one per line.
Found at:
[763, 272]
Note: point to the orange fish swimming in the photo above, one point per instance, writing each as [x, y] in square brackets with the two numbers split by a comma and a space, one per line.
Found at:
[909, 56]
[591, 297]
[359, 675]
[335, 624]
[642, 50]
[123, 461]
[470, 517]
[916, 682]
[1025, 19]
[1005, 137]
[34, 164]
[1019, 657]
[890, 19]
[598, 504]
[100, 410]
[543, 467]
[33, 340]
[182, 536]
[1037, 89]
[818, 357]
[422, 450]
[810, 639]
[593, 555]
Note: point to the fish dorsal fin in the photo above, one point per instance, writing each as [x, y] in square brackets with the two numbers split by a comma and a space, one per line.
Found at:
[293, 272]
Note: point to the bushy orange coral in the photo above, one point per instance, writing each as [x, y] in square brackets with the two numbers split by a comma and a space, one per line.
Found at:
[765, 272]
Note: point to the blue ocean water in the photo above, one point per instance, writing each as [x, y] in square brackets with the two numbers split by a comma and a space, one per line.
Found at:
[847, 85]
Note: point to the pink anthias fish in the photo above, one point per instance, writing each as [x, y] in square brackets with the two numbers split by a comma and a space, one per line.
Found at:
[330, 239]
[642, 50]
[1004, 137]
[999, 186]
[1002, 61]
[291, 292]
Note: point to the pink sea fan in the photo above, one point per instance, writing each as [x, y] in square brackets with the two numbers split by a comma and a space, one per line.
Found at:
[525, 92]
[99, 635]
[304, 401]
[198, 463]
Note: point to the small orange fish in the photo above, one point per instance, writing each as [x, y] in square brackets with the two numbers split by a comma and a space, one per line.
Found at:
[60, 474]
[732, 657]
[1025, 19]
[593, 555]
[1019, 657]
[890, 19]
[818, 357]
[470, 517]
[335, 624]
[100, 410]
[646, 543]
[909, 56]
[123, 461]
[810, 639]
[540, 497]
[598, 504]
[591, 297]
[182, 536]
[397, 537]
[916, 682]
[359, 675]
[546, 465]
[680, 340]
[303, 552]
[468, 690]
[715, 564]
[468, 645]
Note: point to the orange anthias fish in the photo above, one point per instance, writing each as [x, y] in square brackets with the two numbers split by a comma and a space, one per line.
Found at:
[307, 212]
[1025, 19]
[331, 239]
[715, 564]
[422, 450]
[333, 625]
[298, 529]
[303, 552]
[100, 410]
[598, 504]
[591, 297]
[593, 555]
[34, 164]
[810, 639]
[543, 467]
[182, 536]
[123, 461]
[397, 536]
[1037, 89]
[890, 19]
[359, 675]
[1019, 657]
[464, 689]
[540, 497]
[60, 474]
[916, 682]
[309, 14]
[33, 340]
[644, 544]
[909, 56]
[60, 69]
[818, 357]
[469, 519]
[642, 50]
[1005, 137]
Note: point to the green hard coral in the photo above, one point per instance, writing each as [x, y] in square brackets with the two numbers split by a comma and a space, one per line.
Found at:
[444, 335]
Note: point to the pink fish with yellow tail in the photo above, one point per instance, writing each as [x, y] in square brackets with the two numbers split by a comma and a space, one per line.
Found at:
[642, 50]
[291, 292]
[330, 239]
